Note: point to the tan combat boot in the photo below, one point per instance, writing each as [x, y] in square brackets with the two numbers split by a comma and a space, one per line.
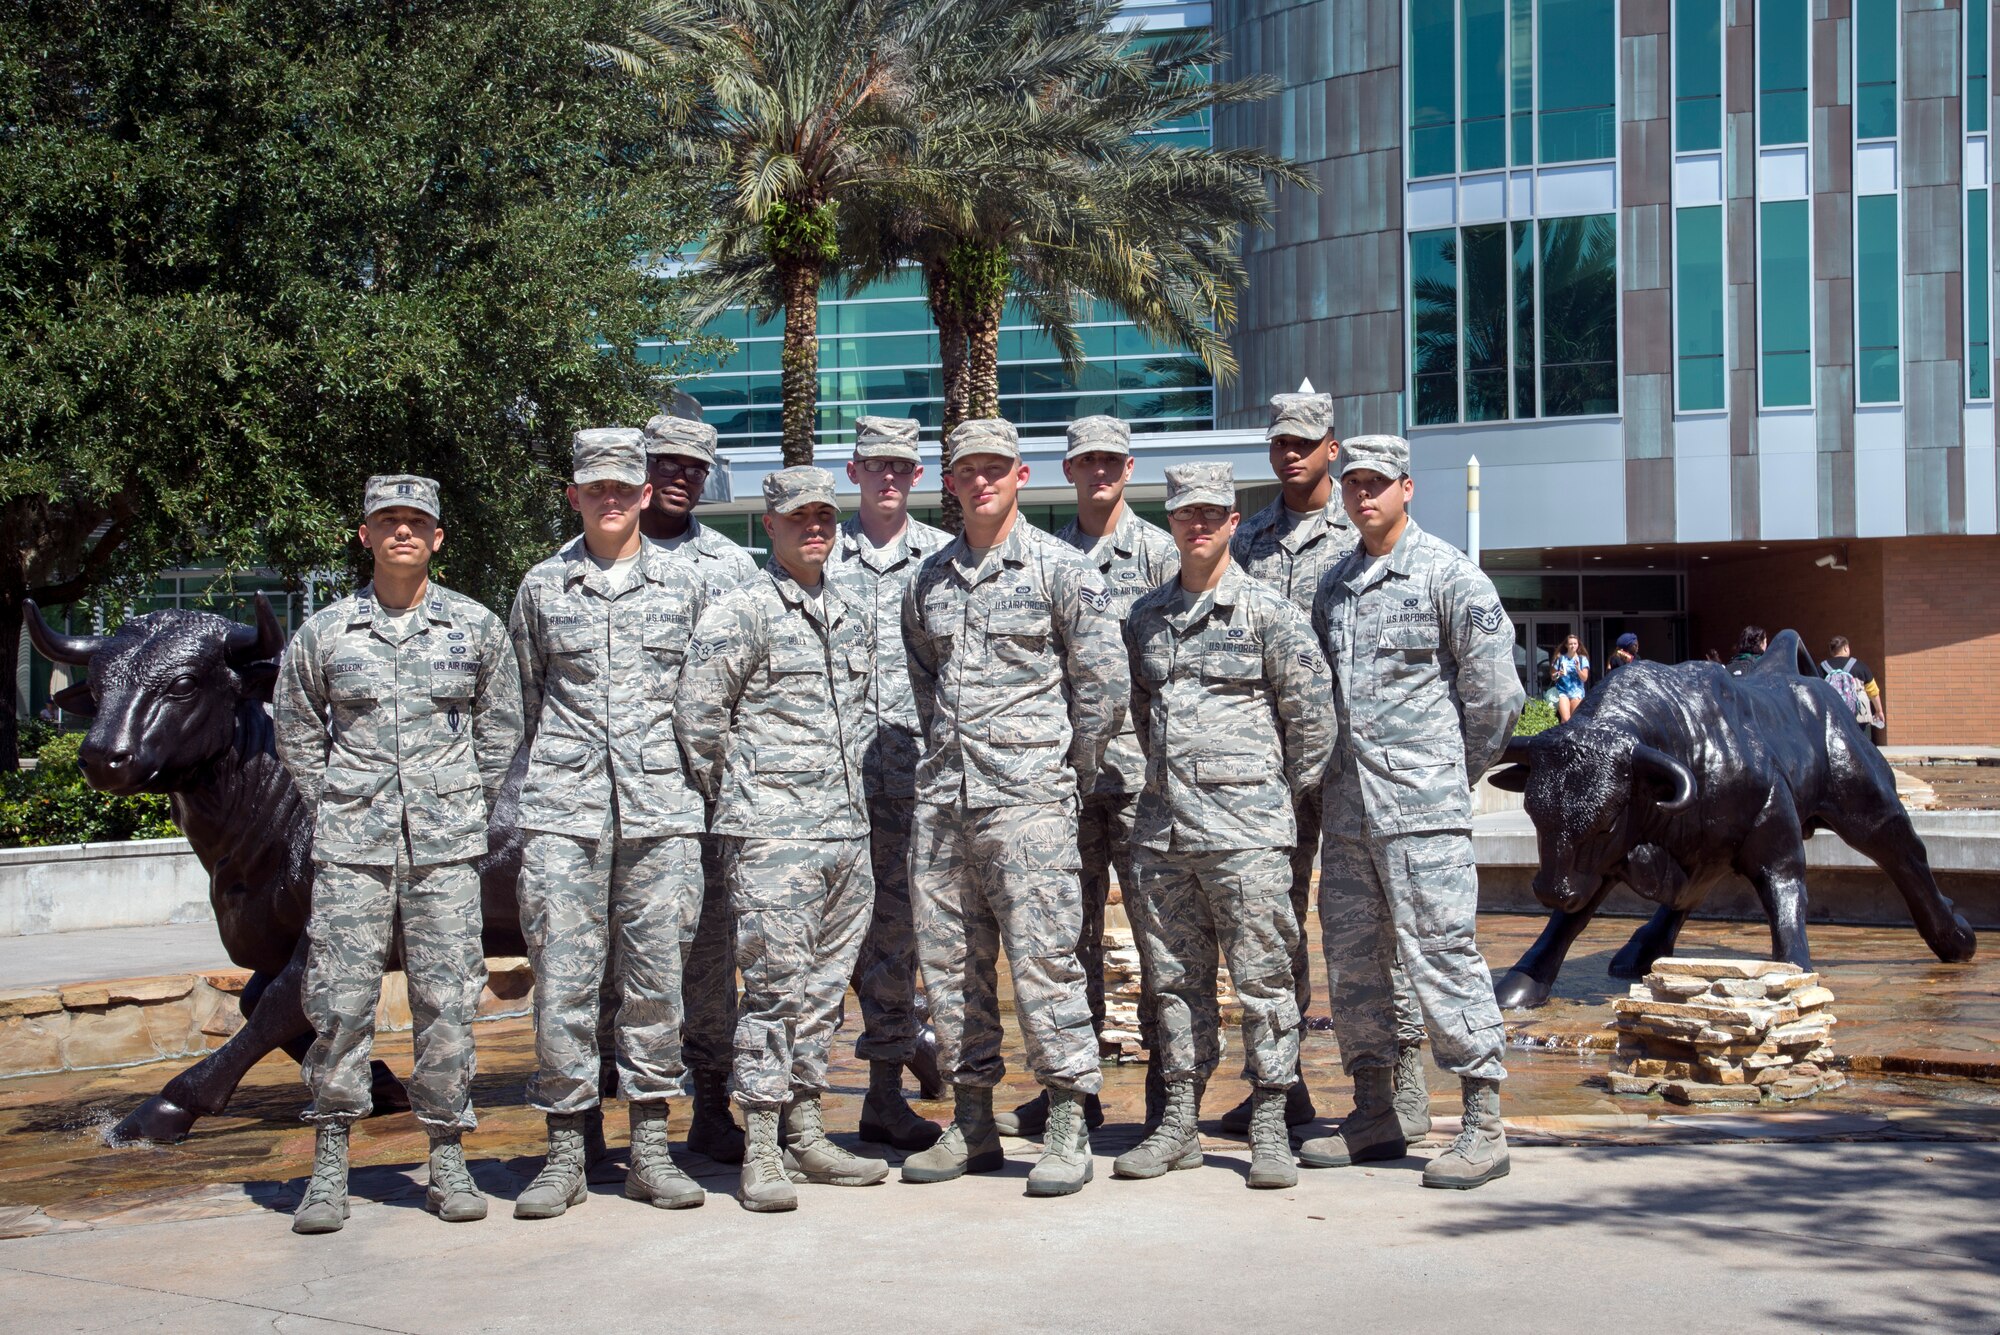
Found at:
[968, 1145]
[562, 1181]
[1174, 1143]
[1065, 1164]
[452, 1194]
[1271, 1162]
[764, 1186]
[1369, 1134]
[810, 1155]
[1413, 1095]
[323, 1208]
[1480, 1153]
[653, 1176]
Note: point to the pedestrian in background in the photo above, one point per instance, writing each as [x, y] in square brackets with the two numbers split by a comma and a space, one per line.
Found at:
[1624, 653]
[1569, 672]
[1856, 685]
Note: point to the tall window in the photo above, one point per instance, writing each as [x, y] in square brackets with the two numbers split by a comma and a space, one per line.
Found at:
[1579, 316]
[1488, 315]
[1521, 79]
[1875, 68]
[1434, 324]
[1782, 56]
[1978, 298]
[1976, 58]
[1524, 318]
[1433, 106]
[1697, 75]
[1483, 50]
[1578, 65]
[1784, 290]
[1698, 317]
[1877, 302]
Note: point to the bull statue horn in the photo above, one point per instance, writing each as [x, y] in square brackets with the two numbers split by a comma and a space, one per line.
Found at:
[52, 644]
[259, 643]
[1652, 763]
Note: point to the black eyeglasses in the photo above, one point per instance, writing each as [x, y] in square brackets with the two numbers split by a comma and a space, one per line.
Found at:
[662, 466]
[900, 467]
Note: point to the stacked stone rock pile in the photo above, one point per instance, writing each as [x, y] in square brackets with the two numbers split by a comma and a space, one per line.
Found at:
[1725, 1031]
[1121, 996]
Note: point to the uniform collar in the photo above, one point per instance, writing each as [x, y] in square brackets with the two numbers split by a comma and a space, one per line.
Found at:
[830, 606]
[1227, 593]
[1122, 539]
[918, 540]
[1401, 560]
[578, 568]
[1300, 536]
[434, 605]
[1013, 550]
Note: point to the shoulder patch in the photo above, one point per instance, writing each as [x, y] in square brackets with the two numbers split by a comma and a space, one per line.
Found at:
[1311, 661]
[1488, 618]
[1094, 596]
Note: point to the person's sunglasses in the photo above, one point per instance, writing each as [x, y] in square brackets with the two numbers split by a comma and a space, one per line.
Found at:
[899, 467]
[663, 467]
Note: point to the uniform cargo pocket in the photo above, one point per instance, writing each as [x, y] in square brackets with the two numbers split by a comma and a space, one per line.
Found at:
[339, 782]
[1231, 769]
[455, 779]
[1027, 732]
[1417, 757]
[555, 748]
[661, 757]
[1444, 891]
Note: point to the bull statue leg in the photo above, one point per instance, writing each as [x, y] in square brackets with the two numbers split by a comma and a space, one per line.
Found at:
[1887, 839]
[1528, 983]
[275, 1019]
[1654, 938]
[1773, 860]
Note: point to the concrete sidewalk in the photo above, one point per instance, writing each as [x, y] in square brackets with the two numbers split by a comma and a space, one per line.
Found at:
[109, 952]
[1824, 1237]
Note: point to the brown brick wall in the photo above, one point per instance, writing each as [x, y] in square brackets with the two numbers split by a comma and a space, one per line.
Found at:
[1783, 590]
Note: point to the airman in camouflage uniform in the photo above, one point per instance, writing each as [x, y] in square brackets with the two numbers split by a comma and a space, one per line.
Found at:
[611, 861]
[1234, 705]
[772, 714]
[398, 726]
[680, 456]
[1423, 661]
[1021, 682]
[1132, 557]
[1291, 550]
[886, 466]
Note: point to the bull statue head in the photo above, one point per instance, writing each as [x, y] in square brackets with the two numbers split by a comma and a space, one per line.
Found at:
[1589, 789]
[164, 691]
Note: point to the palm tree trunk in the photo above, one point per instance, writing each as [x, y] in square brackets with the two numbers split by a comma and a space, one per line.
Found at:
[799, 362]
[951, 356]
[982, 358]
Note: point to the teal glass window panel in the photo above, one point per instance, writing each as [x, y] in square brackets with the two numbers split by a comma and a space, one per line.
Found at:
[1698, 309]
[1483, 337]
[1977, 60]
[892, 350]
[1524, 319]
[1782, 57]
[1483, 67]
[1978, 297]
[1433, 76]
[1521, 79]
[760, 355]
[875, 317]
[1697, 75]
[1579, 271]
[1434, 325]
[1784, 289]
[1136, 343]
[1179, 403]
[1578, 71]
[1875, 69]
[1877, 303]
[1101, 341]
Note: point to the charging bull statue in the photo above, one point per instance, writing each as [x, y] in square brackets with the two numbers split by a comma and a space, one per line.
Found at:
[1669, 777]
[178, 705]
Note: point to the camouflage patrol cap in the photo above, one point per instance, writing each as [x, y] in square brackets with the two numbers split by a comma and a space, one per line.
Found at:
[789, 488]
[1387, 455]
[607, 454]
[390, 489]
[1105, 434]
[984, 435]
[1200, 484]
[668, 434]
[886, 438]
[1308, 416]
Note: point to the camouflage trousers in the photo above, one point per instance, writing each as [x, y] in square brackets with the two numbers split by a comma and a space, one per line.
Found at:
[1409, 1018]
[354, 913]
[802, 907]
[582, 902]
[1413, 897]
[1233, 905]
[1104, 843]
[885, 973]
[708, 986]
[1000, 877]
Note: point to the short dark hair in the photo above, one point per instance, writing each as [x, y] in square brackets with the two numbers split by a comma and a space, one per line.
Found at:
[1752, 640]
[1839, 645]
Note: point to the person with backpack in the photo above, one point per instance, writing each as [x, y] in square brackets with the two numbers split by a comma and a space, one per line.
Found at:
[1854, 683]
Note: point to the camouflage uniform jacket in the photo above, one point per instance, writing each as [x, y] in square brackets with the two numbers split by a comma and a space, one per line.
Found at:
[1293, 558]
[1235, 711]
[601, 654]
[876, 579]
[722, 564]
[1424, 684]
[1019, 674]
[391, 736]
[772, 710]
[1133, 557]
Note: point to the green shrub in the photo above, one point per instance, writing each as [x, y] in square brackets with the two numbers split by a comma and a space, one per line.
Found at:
[51, 804]
[1539, 716]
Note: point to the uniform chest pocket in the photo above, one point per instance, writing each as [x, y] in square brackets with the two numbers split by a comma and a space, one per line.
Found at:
[1414, 643]
[1233, 666]
[1156, 664]
[456, 686]
[665, 639]
[1017, 634]
[788, 659]
[574, 638]
[353, 688]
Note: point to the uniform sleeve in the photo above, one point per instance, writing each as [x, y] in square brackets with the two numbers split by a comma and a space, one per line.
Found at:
[727, 646]
[1163, 562]
[920, 651]
[1482, 643]
[1320, 620]
[524, 628]
[1096, 672]
[1297, 671]
[496, 714]
[1142, 692]
[299, 711]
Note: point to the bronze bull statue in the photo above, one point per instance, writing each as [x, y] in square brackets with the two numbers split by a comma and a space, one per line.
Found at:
[1670, 777]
